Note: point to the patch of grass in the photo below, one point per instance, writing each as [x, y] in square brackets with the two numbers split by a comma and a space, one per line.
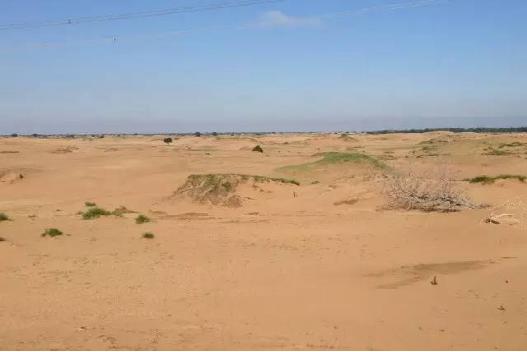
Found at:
[52, 232]
[429, 148]
[219, 188]
[95, 213]
[339, 157]
[226, 181]
[262, 179]
[141, 219]
[347, 202]
[433, 141]
[497, 152]
[484, 179]
[335, 158]
[4, 217]
[148, 235]
[121, 211]
[511, 145]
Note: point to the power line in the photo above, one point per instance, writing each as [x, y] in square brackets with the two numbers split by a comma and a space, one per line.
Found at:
[134, 15]
[365, 11]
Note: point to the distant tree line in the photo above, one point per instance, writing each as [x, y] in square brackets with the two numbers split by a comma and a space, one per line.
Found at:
[199, 134]
[456, 130]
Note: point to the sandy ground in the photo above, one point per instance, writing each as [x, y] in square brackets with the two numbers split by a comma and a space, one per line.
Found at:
[322, 265]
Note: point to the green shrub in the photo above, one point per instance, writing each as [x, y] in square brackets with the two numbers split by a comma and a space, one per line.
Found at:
[94, 213]
[148, 235]
[491, 179]
[90, 204]
[3, 217]
[258, 149]
[52, 232]
[141, 219]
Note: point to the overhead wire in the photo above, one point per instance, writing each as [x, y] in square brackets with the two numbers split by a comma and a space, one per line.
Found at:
[135, 15]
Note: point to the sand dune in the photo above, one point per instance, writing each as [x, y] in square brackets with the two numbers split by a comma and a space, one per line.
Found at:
[254, 260]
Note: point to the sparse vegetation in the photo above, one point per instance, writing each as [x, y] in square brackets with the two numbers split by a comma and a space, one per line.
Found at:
[168, 140]
[197, 134]
[512, 145]
[94, 213]
[141, 219]
[346, 137]
[433, 141]
[52, 232]
[490, 150]
[336, 158]
[121, 211]
[346, 202]
[4, 217]
[148, 235]
[339, 157]
[219, 188]
[413, 192]
[429, 148]
[491, 179]
[257, 149]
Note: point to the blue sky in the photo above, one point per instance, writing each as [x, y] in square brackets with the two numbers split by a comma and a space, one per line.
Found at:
[284, 66]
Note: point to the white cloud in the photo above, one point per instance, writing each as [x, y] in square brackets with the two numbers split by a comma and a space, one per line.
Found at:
[278, 19]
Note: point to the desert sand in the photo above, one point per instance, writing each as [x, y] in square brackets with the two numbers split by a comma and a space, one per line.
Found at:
[319, 265]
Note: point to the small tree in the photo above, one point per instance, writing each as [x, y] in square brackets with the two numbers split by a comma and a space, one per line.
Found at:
[258, 149]
[215, 134]
[167, 140]
[197, 134]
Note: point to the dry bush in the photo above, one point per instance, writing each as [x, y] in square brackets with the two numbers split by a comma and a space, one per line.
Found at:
[432, 191]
